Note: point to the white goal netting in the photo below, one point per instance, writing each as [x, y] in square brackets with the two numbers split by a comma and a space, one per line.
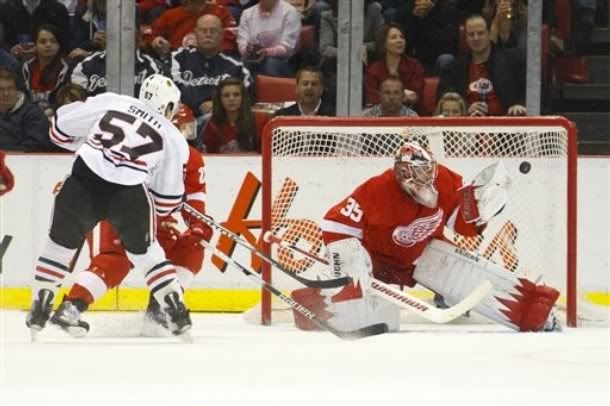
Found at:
[311, 164]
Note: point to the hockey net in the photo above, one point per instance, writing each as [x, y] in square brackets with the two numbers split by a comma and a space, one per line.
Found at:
[310, 164]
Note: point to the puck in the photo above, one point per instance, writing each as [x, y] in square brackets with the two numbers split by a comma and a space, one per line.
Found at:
[525, 167]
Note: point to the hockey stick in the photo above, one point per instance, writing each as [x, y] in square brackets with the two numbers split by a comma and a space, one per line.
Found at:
[367, 331]
[403, 299]
[330, 283]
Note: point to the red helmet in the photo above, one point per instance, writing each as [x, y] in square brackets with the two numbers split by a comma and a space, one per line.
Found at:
[183, 116]
[185, 122]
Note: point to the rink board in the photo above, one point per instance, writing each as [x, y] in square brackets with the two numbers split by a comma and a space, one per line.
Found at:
[234, 197]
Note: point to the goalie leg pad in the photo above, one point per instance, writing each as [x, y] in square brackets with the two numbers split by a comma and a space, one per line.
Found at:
[347, 310]
[515, 301]
[348, 257]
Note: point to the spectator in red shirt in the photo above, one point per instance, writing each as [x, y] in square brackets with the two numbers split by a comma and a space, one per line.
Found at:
[491, 80]
[48, 70]
[393, 61]
[22, 19]
[150, 10]
[233, 126]
[175, 27]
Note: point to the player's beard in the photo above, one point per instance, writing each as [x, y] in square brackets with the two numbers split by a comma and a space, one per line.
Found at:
[424, 195]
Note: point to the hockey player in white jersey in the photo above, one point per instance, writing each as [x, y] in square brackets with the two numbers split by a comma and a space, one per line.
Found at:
[129, 165]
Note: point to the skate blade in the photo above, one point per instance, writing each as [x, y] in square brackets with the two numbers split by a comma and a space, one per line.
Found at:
[34, 335]
[76, 332]
[151, 328]
[186, 337]
[73, 331]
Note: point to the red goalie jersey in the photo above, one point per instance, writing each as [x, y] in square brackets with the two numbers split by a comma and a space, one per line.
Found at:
[108, 258]
[392, 226]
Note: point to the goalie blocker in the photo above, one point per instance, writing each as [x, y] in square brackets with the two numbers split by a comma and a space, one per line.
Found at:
[515, 301]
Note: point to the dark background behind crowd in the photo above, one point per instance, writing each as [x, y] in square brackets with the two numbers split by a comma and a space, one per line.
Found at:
[419, 57]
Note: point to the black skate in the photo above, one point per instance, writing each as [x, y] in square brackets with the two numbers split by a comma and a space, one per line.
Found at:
[155, 320]
[67, 318]
[40, 312]
[177, 316]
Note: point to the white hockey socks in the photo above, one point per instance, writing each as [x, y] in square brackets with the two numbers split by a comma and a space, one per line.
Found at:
[159, 274]
[52, 267]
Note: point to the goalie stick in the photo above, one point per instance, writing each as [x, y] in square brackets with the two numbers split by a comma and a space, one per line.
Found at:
[329, 283]
[403, 299]
[367, 331]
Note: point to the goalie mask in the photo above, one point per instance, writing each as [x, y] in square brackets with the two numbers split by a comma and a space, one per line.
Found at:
[415, 170]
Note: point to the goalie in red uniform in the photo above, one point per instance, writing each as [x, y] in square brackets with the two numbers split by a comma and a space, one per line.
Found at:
[391, 227]
[110, 265]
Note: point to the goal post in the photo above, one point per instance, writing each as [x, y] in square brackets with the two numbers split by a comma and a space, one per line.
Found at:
[311, 163]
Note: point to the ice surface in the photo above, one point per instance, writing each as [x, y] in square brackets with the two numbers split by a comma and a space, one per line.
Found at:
[233, 363]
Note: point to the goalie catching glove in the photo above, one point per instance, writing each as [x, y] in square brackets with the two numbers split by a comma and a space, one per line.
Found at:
[486, 196]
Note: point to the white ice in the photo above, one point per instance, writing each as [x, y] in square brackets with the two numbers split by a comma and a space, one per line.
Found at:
[233, 363]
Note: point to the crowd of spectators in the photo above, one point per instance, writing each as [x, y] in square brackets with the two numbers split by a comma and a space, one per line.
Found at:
[53, 52]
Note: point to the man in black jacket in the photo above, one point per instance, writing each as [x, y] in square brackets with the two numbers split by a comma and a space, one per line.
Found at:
[432, 31]
[309, 96]
[23, 126]
[492, 81]
[197, 70]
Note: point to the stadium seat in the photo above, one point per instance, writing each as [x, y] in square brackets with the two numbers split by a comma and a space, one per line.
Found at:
[270, 89]
[563, 13]
[429, 98]
[307, 37]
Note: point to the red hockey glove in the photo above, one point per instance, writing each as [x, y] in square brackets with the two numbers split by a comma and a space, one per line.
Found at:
[7, 181]
[167, 234]
[197, 233]
[188, 251]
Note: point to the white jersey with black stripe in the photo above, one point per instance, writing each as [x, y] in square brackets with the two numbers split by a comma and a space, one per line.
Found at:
[124, 141]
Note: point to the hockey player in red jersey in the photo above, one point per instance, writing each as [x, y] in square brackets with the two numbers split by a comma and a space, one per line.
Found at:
[109, 263]
[391, 227]
[6, 177]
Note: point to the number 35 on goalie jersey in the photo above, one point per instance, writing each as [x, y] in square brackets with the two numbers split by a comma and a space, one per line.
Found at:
[391, 225]
[125, 142]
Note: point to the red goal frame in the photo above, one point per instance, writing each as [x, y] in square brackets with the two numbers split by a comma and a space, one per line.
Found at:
[547, 121]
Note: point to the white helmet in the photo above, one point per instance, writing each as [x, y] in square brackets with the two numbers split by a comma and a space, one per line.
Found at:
[160, 92]
[415, 171]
